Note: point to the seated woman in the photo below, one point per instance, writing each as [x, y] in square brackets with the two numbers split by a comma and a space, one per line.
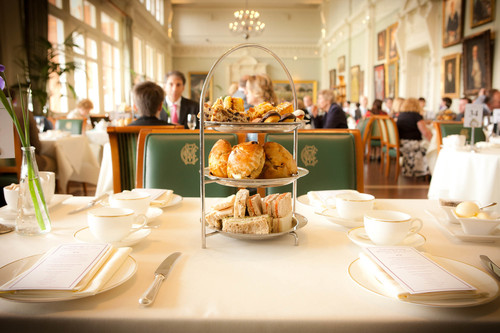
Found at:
[376, 109]
[412, 128]
[334, 117]
[260, 89]
[82, 110]
[148, 99]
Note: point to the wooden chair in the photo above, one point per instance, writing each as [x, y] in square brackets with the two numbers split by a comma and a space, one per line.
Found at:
[74, 126]
[371, 137]
[389, 143]
[446, 127]
[123, 144]
[169, 159]
[334, 158]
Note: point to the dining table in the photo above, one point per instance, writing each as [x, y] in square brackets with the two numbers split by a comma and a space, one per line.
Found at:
[464, 173]
[238, 285]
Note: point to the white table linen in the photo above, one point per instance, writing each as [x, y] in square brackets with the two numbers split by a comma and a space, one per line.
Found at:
[105, 180]
[465, 175]
[245, 286]
[74, 157]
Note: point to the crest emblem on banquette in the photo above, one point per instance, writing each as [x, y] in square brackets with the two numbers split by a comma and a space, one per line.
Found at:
[188, 153]
[308, 155]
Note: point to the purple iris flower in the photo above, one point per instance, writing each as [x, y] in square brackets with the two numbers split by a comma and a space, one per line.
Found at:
[2, 82]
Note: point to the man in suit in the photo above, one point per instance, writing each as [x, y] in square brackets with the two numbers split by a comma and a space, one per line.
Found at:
[449, 81]
[176, 106]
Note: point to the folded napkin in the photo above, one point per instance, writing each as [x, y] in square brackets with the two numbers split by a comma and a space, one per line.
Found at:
[91, 284]
[324, 199]
[159, 197]
[454, 141]
[394, 289]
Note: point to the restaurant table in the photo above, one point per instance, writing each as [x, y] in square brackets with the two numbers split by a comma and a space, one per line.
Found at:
[245, 286]
[75, 159]
[461, 174]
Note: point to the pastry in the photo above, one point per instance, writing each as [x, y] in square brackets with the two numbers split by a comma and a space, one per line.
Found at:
[217, 159]
[287, 118]
[299, 115]
[246, 161]
[279, 162]
[284, 108]
[259, 110]
[271, 117]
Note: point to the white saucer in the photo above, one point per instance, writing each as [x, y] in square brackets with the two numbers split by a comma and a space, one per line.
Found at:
[333, 216]
[359, 237]
[153, 212]
[84, 235]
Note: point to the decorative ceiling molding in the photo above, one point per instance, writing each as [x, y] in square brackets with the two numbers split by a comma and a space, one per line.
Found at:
[215, 51]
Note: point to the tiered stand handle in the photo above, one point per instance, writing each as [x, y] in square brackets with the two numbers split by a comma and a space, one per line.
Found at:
[203, 181]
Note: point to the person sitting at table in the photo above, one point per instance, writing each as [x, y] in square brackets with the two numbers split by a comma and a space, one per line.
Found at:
[412, 128]
[334, 117]
[376, 109]
[82, 110]
[259, 89]
[461, 108]
[148, 99]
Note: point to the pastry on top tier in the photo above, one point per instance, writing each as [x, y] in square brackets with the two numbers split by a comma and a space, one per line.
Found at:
[246, 161]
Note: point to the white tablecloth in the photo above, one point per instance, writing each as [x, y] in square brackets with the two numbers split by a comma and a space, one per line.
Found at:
[465, 175]
[75, 159]
[245, 286]
[105, 181]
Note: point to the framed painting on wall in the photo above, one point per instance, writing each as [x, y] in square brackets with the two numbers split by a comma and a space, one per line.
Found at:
[333, 78]
[283, 90]
[355, 75]
[379, 81]
[195, 81]
[483, 11]
[450, 76]
[453, 22]
[476, 63]
[392, 51]
[391, 79]
[381, 44]
[341, 64]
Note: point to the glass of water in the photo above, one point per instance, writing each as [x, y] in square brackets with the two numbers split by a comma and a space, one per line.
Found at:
[40, 124]
[191, 121]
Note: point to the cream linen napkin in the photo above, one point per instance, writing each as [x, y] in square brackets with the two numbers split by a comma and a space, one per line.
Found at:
[393, 289]
[96, 279]
[322, 199]
[159, 198]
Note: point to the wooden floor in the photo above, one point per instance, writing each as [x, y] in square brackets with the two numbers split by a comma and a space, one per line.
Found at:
[375, 183]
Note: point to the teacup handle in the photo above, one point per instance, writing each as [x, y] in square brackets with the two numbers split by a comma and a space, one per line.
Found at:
[416, 225]
[143, 224]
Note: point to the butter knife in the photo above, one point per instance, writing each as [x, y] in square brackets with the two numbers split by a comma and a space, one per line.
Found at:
[161, 274]
[492, 267]
[90, 204]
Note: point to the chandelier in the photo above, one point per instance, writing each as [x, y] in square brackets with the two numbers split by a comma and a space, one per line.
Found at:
[246, 23]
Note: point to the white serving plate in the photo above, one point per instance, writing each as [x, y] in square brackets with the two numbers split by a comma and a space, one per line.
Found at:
[456, 229]
[472, 275]
[256, 182]
[10, 271]
[333, 216]
[304, 199]
[227, 127]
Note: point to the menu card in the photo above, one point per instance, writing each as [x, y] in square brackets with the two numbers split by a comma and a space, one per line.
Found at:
[415, 272]
[62, 268]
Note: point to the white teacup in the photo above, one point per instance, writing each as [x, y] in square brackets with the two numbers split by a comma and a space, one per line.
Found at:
[353, 206]
[111, 224]
[388, 227]
[135, 200]
[11, 194]
[48, 182]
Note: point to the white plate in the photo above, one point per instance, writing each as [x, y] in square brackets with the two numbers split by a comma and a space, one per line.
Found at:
[333, 216]
[304, 199]
[153, 212]
[359, 237]
[10, 271]
[176, 199]
[6, 213]
[298, 221]
[472, 275]
[456, 229]
[228, 127]
[256, 182]
[84, 235]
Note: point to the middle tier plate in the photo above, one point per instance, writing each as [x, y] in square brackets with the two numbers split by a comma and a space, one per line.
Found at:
[256, 182]
[227, 127]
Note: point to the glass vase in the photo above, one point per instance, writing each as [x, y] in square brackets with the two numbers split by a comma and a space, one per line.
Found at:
[32, 212]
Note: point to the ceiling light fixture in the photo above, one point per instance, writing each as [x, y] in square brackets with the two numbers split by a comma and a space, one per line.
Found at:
[246, 22]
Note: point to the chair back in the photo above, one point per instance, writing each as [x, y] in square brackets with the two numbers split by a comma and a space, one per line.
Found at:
[74, 126]
[334, 158]
[170, 160]
[444, 128]
[392, 131]
[361, 125]
[123, 144]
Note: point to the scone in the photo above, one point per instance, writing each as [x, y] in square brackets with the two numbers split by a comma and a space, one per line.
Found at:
[279, 162]
[246, 161]
[217, 159]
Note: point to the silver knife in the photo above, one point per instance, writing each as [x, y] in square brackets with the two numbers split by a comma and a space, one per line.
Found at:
[492, 267]
[160, 274]
[90, 204]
